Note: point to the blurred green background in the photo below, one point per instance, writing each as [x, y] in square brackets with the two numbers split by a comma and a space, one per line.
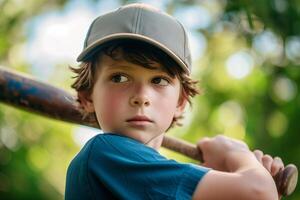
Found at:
[246, 55]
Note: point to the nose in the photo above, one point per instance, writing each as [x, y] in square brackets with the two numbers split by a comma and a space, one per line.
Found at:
[139, 101]
[140, 96]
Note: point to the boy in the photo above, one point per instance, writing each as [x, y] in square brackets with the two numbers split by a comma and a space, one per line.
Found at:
[135, 77]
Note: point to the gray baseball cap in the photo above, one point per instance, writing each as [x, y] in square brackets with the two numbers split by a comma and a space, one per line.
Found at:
[139, 22]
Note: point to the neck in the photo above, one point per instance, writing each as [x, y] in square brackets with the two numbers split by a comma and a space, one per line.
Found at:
[155, 142]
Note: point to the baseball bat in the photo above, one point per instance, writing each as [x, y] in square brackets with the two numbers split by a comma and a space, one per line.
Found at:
[21, 91]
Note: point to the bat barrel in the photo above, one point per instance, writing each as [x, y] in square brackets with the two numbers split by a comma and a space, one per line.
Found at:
[32, 95]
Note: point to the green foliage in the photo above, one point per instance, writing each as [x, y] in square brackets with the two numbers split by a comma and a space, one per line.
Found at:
[261, 107]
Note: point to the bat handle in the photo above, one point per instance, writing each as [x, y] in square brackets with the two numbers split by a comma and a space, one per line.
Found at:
[286, 179]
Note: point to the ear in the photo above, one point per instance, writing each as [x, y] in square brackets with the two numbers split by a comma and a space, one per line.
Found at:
[86, 101]
[180, 106]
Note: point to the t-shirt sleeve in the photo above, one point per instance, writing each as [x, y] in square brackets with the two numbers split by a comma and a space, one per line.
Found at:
[190, 180]
[131, 170]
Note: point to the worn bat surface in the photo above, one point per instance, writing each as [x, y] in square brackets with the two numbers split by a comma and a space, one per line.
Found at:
[26, 93]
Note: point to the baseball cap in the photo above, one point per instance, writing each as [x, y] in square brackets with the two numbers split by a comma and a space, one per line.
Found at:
[141, 22]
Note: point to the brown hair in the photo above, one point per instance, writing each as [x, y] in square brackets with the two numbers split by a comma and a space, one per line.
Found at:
[130, 50]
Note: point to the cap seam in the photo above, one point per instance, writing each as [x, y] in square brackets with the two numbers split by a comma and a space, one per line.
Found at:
[184, 38]
[141, 23]
[135, 20]
[89, 32]
[138, 21]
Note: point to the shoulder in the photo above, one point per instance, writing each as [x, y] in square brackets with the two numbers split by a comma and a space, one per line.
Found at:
[121, 151]
[109, 143]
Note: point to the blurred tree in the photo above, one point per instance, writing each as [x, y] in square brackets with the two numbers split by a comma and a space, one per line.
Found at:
[249, 72]
[30, 167]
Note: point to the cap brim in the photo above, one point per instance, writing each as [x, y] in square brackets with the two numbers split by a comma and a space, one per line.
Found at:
[86, 53]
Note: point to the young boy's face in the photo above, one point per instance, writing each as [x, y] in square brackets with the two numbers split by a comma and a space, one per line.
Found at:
[131, 100]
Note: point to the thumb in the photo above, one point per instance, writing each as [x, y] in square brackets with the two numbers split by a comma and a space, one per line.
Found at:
[201, 144]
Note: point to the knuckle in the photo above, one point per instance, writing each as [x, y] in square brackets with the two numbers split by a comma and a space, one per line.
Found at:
[274, 169]
[279, 162]
[278, 159]
[258, 152]
[203, 141]
[276, 166]
[267, 158]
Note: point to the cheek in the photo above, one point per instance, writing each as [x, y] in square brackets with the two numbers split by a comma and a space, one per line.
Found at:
[168, 105]
[109, 106]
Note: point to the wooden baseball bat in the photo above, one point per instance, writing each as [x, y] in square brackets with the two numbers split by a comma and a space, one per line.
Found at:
[34, 96]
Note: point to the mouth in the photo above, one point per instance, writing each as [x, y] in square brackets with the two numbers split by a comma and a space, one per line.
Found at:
[139, 119]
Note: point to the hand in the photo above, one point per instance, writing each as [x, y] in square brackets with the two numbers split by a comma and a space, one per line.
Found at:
[273, 165]
[223, 153]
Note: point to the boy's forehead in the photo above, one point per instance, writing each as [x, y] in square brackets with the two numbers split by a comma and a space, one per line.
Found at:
[110, 64]
[130, 67]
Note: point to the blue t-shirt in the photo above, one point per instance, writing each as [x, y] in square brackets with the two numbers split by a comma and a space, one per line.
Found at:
[112, 166]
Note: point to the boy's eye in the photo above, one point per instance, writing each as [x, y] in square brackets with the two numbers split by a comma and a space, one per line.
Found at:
[119, 78]
[161, 81]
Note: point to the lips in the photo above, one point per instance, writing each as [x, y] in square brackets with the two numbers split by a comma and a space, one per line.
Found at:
[139, 119]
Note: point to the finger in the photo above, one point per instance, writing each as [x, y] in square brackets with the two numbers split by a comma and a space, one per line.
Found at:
[203, 142]
[202, 146]
[258, 154]
[277, 165]
[267, 161]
